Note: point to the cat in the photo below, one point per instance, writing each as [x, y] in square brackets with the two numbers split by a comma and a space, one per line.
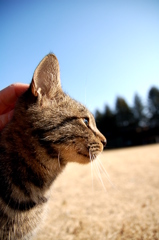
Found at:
[48, 130]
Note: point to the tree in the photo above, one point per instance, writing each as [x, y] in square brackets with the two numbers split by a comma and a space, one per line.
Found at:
[138, 111]
[98, 116]
[124, 115]
[153, 105]
[106, 121]
[108, 112]
[109, 119]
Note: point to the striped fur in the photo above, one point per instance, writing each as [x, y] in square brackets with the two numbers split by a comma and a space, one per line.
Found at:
[48, 128]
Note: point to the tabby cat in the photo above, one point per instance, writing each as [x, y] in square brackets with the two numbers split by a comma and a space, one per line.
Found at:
[48, 130]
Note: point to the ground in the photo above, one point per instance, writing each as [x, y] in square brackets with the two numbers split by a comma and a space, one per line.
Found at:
[125, 206]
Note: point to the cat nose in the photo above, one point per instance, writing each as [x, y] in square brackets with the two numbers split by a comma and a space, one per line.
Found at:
[104, 142]
[102, 138]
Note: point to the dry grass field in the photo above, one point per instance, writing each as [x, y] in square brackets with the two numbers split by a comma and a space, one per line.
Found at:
[128, 207]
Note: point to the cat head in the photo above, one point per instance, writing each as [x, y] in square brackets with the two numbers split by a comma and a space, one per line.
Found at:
[60, 123]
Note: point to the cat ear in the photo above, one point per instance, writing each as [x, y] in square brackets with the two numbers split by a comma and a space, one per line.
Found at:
[46, 78]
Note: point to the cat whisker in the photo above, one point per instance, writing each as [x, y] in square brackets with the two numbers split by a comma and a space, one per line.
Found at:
[104, 171]
[99, 174]
[59, 160]
[90, 156]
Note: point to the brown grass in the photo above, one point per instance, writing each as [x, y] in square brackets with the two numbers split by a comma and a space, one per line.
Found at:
[130, 210]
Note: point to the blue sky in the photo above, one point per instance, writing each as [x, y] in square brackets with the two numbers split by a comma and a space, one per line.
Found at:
[105, 48]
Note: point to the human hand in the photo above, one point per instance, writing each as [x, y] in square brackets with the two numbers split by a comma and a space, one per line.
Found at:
[8, 98]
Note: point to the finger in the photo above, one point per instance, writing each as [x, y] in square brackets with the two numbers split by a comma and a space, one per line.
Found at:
[20, 88]
[5, 118]
[9, 96]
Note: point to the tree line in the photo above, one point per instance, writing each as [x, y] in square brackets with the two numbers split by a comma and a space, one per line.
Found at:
[131, 126]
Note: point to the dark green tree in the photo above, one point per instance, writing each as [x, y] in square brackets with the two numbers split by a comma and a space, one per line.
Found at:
[124, 115]
[98, 116]
[108, 113]
[109, 119]
[153, 105]
[106, 120]
[138, 111]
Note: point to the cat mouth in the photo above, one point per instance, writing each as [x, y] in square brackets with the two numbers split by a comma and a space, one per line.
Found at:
[92, 156]
[89, 156]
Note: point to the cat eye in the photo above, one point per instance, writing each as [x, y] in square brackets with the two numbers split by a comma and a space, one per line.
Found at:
[86, 121]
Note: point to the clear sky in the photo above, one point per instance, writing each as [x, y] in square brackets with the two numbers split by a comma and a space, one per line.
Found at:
[105, 48]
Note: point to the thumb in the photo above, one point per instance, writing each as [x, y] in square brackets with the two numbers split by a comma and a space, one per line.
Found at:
[5, 118]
